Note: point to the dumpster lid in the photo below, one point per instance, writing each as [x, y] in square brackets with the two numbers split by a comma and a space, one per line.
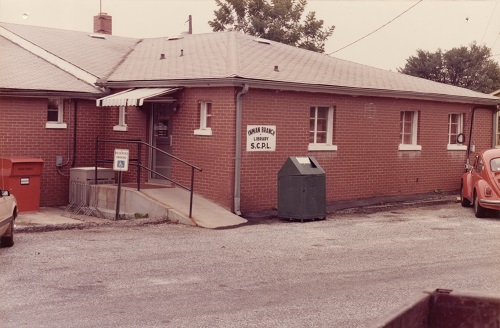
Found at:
[301, 165]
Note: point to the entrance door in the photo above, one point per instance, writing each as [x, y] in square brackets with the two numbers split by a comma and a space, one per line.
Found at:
[162, 139]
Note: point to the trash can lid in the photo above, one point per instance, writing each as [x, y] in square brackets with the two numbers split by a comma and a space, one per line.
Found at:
[301, 165]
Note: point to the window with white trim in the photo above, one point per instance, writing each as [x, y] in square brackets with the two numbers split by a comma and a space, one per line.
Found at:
[455, 129]
[122, 119]
[321, 128]
[55, 112]
[205, 119]
[409, 131]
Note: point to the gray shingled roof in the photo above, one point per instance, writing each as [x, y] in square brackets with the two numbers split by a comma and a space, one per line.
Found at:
[21, 70]
[96, 56]
[226, 55]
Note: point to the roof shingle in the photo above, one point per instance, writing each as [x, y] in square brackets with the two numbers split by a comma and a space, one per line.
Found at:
[218, 56]
[228, 54]
[20, 69]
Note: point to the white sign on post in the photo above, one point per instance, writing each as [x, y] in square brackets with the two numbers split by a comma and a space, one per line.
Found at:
[261, 137]
[120, 162]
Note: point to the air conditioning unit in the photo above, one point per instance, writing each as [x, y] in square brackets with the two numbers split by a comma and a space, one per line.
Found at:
[87, 175]
[81, 180]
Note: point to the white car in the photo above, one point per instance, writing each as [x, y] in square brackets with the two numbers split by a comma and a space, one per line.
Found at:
[8, 213]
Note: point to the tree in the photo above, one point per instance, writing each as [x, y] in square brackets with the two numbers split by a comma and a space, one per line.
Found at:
[277, 20]
[468, 67]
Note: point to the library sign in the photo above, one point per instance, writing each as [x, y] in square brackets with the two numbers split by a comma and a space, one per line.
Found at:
[261, 137]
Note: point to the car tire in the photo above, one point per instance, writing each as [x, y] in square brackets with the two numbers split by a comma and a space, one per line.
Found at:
[464, 201]
[478, 209]
[8, 241]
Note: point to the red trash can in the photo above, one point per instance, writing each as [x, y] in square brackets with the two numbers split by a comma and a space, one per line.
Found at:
[21, 176]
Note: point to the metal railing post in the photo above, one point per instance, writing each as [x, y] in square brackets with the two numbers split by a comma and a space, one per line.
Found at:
[96, 157]
[191, 196]
[139, 166]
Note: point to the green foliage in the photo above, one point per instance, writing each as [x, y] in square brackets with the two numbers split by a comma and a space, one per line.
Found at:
[277, 20]
[468, 67]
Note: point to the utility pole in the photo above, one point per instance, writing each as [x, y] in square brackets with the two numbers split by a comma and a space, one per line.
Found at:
[190, 20]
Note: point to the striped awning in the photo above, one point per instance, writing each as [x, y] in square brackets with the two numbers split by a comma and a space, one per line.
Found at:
[133, 97]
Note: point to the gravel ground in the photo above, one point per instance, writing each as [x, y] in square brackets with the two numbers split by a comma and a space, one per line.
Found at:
[341, 272]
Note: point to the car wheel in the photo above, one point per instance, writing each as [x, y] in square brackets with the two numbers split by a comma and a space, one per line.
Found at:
[8, 241]
[464, 201]
[478, 209]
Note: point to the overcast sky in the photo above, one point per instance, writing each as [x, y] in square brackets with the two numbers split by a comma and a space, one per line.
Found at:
[429, 25]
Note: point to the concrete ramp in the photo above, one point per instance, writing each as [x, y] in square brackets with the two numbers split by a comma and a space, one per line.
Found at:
[205, 214]
[170, 203]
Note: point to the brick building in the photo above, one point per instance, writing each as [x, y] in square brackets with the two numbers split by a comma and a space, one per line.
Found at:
[236, 106]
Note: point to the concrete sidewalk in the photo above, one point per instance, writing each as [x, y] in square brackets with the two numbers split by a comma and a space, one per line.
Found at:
[55, 218]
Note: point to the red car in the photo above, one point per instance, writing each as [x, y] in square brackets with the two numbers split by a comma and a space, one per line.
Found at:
[481, 184]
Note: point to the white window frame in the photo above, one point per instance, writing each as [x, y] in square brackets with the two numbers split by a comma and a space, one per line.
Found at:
[59, 124]
[329, 131]
[122, 119]
[204, 129]
[460, 129]
[414, 132]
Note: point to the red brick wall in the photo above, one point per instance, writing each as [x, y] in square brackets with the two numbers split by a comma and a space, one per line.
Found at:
[23, 134]
[215, 153]
[138, 129]
[367, 162]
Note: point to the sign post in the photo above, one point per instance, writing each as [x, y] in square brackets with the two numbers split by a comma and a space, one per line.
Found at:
[120, 164]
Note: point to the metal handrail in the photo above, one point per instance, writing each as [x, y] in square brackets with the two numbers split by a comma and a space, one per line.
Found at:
[137, 162]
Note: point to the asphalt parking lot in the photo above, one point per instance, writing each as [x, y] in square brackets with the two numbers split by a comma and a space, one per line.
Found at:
[341, 272]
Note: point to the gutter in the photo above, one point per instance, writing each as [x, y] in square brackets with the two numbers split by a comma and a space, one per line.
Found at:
[237, 156]
[49, 93]
[303, 87]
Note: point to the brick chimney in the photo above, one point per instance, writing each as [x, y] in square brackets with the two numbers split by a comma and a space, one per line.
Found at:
[102, 23]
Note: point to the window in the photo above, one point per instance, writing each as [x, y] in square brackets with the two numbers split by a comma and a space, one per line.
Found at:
[479, 166]
[455, 129]
[408, 131]
[205, 119]
[122, 119]
[55, 110]
[495, 164]
[321, 128]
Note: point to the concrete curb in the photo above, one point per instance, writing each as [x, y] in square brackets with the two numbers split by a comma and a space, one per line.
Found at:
[91, 223]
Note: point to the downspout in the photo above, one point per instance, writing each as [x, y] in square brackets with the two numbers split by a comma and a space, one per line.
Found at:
[59, 165]
[74, 133]
[237, 157]
[473, 111]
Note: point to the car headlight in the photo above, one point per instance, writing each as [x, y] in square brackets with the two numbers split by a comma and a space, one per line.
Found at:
[488, 192]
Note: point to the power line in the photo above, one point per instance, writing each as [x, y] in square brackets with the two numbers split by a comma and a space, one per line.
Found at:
[489, 22]
[392, 20]
[493, 46]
